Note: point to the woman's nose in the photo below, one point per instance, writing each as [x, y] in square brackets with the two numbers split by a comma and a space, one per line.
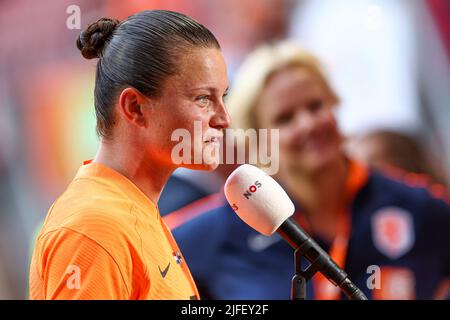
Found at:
[304, 121]
[221, 118]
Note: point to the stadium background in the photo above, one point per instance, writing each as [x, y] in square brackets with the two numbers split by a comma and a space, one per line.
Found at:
[389, 60]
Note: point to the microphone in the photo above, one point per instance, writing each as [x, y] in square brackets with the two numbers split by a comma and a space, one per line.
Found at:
[263, 204]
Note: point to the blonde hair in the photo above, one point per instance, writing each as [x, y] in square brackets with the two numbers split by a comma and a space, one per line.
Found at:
[256, 70]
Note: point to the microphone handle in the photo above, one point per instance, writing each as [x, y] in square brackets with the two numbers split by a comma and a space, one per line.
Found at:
[300, 240]
[351, 291]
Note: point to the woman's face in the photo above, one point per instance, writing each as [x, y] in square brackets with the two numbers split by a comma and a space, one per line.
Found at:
[296, 102]
[191, 112]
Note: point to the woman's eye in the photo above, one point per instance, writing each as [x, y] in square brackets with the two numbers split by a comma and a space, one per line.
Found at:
[315, 105]
[203, 100]
[283, 118]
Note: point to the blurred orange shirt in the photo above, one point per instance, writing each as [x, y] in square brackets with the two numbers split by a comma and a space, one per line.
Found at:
[104, 239]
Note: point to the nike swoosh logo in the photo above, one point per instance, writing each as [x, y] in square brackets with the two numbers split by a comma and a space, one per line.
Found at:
[164, 272]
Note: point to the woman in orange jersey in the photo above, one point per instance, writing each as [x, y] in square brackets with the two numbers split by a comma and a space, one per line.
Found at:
[103, 238]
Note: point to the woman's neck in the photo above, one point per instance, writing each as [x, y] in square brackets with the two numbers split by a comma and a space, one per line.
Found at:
[321, 196]
[150, 177]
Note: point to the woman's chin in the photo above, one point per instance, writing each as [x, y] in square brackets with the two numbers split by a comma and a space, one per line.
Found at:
[313, 163]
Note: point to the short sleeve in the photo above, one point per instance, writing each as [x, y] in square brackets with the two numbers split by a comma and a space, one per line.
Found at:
[69, 265]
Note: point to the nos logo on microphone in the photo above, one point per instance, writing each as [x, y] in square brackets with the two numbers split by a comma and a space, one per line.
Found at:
[248, 193]
[252, 189]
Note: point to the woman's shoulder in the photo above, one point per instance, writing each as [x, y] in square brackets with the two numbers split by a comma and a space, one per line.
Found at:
[96, 219]
[413, 195]
[410, 187]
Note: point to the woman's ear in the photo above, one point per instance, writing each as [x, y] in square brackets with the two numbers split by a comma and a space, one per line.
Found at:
[131, 105]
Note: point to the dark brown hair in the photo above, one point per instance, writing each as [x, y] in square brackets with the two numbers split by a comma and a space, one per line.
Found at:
[141, 52]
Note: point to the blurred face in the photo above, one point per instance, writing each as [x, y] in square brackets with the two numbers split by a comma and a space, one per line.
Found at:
[190, 114]
[296, 103]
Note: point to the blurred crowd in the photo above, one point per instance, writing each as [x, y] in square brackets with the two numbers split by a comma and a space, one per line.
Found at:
[388, 60]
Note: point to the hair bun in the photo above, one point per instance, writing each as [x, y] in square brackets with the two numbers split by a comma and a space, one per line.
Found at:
[91, 41]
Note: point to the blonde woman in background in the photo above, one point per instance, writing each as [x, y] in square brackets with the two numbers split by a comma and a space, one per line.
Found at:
[364, 220]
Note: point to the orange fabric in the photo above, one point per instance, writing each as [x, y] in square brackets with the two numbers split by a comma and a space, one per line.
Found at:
[397, 283]
[104, 239]
[415, 180]
[356, 178]
[193, 210]
[443, 290]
